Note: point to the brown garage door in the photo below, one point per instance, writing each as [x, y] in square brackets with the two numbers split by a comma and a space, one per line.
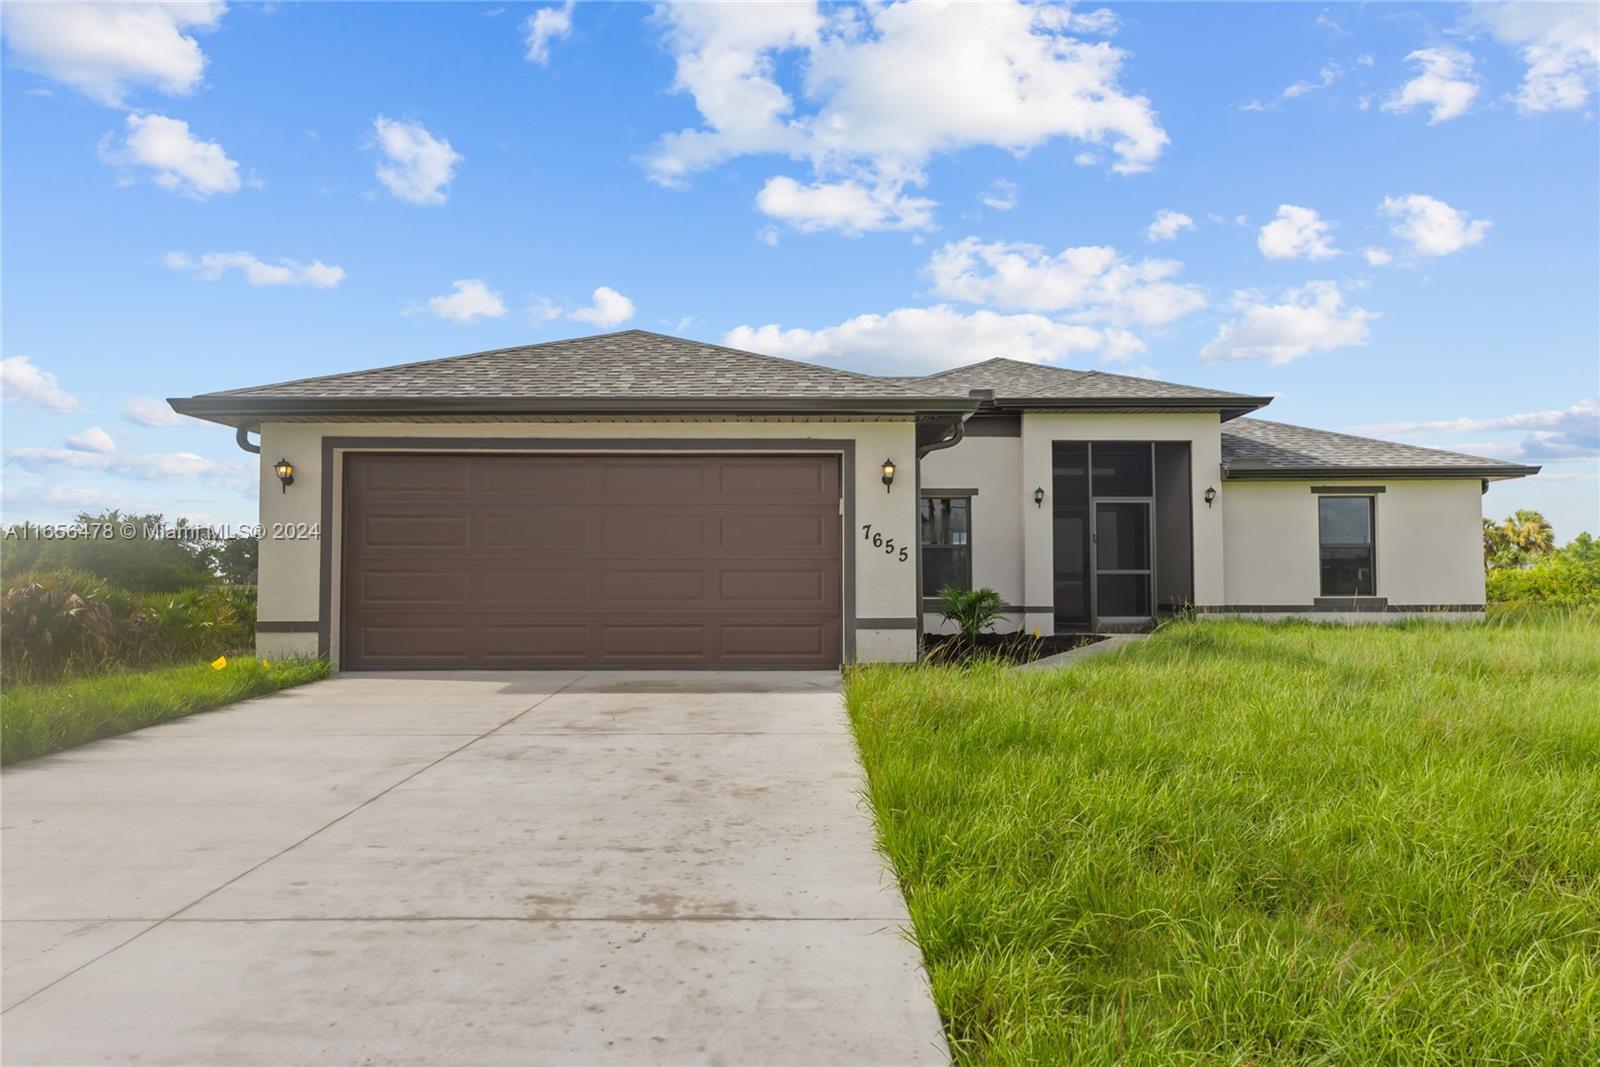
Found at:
[595, 561]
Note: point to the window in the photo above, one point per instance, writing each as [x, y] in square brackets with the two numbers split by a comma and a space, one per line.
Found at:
[946, 546]
[1344, 528]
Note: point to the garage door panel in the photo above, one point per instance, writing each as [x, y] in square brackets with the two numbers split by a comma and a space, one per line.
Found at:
[559, 478]
[532, 590]
[788, 588]
[430, 474]
[669, 480]
[558, 531]
[585, 560]
[417, 531]
[758, 476]
[382, 588]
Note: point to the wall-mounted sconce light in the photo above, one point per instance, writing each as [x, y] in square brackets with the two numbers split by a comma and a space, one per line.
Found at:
[285, 472]
[1211, 494]
[888, 474]
[1038, 497]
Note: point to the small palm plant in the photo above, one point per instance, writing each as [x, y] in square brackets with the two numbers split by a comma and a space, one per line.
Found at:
[973, 611]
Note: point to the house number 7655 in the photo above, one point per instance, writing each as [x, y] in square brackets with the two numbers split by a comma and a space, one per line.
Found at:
[885, 543]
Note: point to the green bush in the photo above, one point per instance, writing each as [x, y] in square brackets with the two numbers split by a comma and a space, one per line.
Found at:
[973, 611]
[64, 623]
[1565, 578]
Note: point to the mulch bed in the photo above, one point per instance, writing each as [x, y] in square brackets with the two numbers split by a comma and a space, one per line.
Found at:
[1014, 648]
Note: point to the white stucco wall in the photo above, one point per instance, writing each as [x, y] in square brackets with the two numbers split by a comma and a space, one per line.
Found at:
[1203, 432]
[1428, 550]
[290, 582]
[992, 465]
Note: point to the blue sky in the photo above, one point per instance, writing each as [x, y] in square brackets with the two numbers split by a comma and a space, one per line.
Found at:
[1386, 216]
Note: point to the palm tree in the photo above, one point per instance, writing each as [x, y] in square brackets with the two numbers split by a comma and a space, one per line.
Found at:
[1531, 533]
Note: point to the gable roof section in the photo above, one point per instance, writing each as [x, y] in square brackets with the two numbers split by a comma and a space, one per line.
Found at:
[635, 371]
[1034, 386]
[1258, 449]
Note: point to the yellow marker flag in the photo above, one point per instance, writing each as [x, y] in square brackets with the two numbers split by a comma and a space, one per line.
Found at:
[219, 663]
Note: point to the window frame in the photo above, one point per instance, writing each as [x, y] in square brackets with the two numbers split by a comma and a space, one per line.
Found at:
[926, 495]
[1371, 544]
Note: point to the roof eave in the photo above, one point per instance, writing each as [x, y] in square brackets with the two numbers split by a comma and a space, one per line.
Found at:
[1229, 407]
[237, 410]
[1490, 472]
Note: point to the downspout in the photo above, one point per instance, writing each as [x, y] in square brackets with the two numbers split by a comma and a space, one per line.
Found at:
[957, 434]
[242, 436]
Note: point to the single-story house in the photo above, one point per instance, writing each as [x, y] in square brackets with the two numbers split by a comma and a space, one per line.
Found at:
[638, 500]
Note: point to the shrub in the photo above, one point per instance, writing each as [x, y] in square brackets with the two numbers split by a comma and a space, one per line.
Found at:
[63, 623]
[54, 623]
[1565, 578]
[973, 611]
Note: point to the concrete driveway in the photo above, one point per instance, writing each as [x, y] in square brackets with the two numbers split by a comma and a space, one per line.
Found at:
[473, 868]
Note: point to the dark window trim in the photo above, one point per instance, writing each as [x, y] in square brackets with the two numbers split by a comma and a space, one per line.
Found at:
[923, 546]
[1371, 544]
[1347, 490]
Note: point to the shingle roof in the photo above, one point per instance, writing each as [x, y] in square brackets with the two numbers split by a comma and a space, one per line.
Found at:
[631, 363]
[1258, 448]
[1013, 379]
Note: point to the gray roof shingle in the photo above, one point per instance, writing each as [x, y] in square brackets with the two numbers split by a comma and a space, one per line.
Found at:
[1258, 448]
[631, 363]
[1013, 379]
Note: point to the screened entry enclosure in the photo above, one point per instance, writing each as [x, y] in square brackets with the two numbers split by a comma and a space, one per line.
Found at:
[1122, 526]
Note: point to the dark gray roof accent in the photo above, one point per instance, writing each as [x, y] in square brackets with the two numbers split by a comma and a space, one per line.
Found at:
[632, 363]
[1035, 386]
[1258, 449]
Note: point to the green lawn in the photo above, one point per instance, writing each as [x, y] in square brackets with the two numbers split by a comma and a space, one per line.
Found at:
[39, 719]
[1247, 843]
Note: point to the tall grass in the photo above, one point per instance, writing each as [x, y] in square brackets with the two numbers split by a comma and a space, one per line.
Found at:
[1251, 843]
[39, 719]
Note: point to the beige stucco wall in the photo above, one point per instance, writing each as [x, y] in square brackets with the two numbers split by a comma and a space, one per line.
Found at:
[885, 587]
[1202, 430]
[1429, 548]
[992, 465]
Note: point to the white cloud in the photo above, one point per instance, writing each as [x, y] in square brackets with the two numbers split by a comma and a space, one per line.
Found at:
[1001, 195]
[1167, 224]
[148, 411]
[1445, 82]
[1378, 257]
[1432, 227]
[104, 49]
[143, 466]
[927, 339]
[1297, 232]
[1094, 283]
[609, 308]
[1326, 76]
[1101, 22]
[1559, 42]
[846, 206]
[212, 265]
[471, 299]
[419, 166]
[94, 439]
[25, 383]
[544, 26]
[1312, 318]
[884, 89]
[1568, 433]
[182, 162]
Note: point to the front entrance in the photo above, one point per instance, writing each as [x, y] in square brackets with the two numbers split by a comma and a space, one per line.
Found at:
[1111, 560]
